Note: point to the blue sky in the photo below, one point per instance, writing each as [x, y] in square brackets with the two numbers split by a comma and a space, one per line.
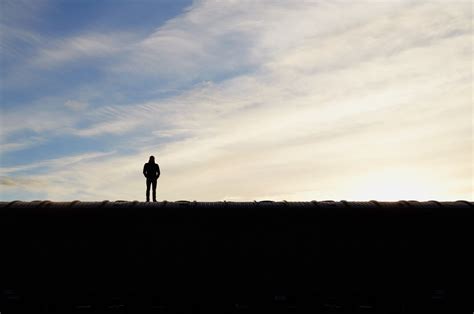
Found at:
[238, 100]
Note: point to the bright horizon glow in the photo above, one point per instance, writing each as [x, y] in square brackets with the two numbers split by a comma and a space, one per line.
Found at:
[396, 185]
[237, 100]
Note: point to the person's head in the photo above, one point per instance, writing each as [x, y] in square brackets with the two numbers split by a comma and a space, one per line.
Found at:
[152, 160]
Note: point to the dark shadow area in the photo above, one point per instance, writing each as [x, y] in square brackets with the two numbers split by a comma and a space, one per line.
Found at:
[229, 257]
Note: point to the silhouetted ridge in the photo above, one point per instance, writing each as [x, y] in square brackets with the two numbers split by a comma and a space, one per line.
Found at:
[415, 205]
[236, 257]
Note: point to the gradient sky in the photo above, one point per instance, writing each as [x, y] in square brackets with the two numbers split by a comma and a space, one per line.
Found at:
[237, 100]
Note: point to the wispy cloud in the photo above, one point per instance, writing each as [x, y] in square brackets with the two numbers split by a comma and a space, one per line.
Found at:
[54, 164]
[295, 100]
[37, 118]
[19, 145]
[57, 52]
[76, 105]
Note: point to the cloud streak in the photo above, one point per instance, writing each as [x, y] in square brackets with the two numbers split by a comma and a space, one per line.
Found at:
[94, 45]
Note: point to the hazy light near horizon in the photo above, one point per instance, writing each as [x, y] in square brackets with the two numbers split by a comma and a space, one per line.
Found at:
[238, 100]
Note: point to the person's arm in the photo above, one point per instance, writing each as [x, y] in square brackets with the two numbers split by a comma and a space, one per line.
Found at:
[157, 171]
[144, 170]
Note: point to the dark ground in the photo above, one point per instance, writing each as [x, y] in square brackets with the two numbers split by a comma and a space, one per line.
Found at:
[225, 257]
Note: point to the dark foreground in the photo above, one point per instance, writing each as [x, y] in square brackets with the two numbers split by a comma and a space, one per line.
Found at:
[225, 257]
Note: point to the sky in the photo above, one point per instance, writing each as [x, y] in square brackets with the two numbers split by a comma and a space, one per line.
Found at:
[237, 100]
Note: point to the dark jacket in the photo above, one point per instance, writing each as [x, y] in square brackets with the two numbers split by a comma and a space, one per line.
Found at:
[151, 171]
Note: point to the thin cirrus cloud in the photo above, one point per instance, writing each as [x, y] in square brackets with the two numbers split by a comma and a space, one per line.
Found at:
[98, 45]
[297, 101]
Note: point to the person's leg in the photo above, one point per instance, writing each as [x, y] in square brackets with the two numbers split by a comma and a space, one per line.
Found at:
[148, 183]
[154, 190]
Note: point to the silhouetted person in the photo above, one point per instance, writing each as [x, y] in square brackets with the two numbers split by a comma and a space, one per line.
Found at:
[151, 171]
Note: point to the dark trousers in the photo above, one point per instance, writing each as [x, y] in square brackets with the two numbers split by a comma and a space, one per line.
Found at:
[148, 183]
